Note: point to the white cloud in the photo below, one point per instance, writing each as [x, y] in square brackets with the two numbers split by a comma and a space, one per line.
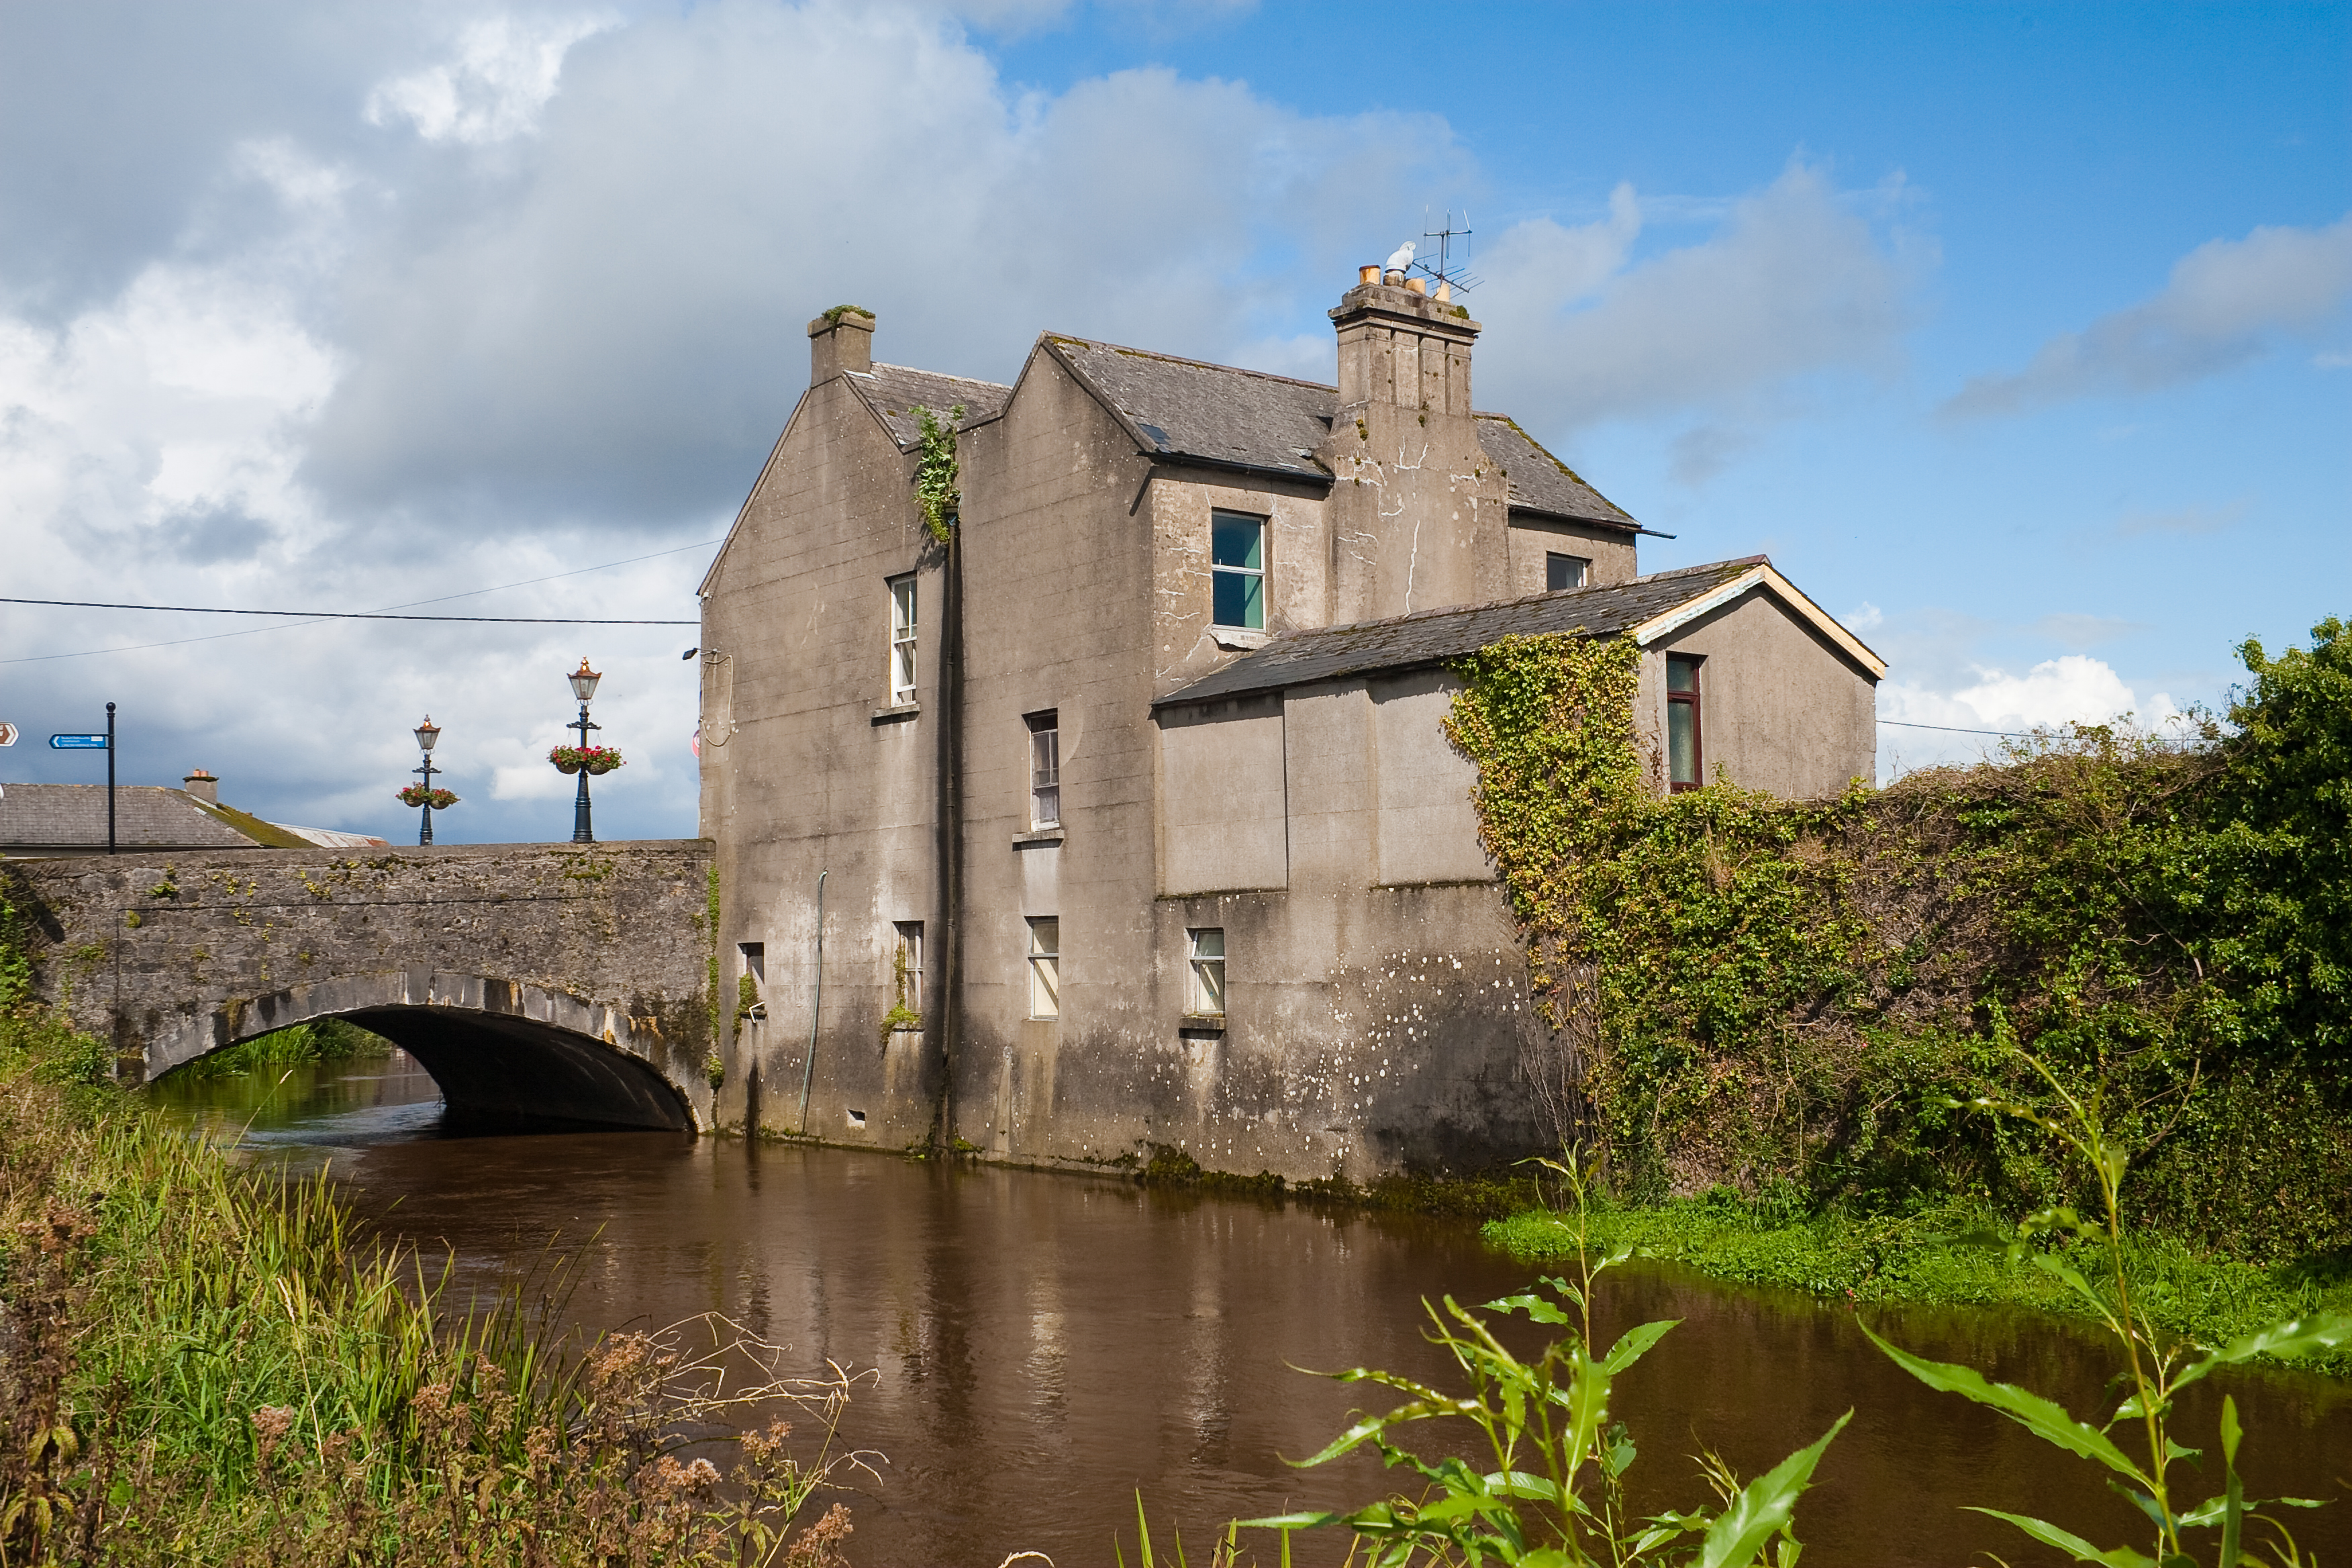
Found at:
[1794, 281]
[2072, 689]
[504, 70]
[2227, 302]
[2186, 519]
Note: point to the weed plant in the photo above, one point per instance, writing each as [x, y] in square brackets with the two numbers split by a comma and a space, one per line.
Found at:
[320, 1041]
[2137, 1443]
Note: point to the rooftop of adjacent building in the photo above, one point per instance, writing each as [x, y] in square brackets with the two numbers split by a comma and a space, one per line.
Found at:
[70, 819]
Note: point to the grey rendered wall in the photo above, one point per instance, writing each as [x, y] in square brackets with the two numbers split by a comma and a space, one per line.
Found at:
[804, 779]
[1223, 822]
[1782, 708]
[1532, 538]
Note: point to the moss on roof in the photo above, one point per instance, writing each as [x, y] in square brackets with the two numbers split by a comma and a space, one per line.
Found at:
[267, 833]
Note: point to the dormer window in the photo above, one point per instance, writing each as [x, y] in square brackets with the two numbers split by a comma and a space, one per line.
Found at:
[1237, 569]
[1565, 571]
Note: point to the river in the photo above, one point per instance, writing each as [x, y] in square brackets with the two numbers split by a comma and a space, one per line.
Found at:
[1047, 1345]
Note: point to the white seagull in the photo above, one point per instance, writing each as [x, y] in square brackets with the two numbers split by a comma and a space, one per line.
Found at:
[1401, 259]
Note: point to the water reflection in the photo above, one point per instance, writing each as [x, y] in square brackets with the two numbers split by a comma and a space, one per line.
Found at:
[1048, 1344]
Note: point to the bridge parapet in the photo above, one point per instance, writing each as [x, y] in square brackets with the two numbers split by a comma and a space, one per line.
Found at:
[566, 981]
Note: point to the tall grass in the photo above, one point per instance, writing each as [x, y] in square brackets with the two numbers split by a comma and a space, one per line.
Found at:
[298, 1045]
[203, 1362]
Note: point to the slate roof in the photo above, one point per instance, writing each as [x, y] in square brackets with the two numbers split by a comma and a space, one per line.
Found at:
[1217, 413]
[37, 816]
[1432, 636]
[893, 391]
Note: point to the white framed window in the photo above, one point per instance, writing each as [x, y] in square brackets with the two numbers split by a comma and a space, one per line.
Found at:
[1045, 768]
[1045, 966]
[906, 965]
[902, 640]
[1565, 571]
[1205, 991]
[1237, 570]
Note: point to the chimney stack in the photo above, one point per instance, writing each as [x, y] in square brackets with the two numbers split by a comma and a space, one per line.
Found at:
[842, 339]
[1427, 507]
[202, 786]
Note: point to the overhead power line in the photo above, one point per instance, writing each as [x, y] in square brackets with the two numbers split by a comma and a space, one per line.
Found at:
[1956, 730]
[347, 615]
[314, 617]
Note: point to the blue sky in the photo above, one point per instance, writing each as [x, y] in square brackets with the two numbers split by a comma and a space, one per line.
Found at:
[2017, 334]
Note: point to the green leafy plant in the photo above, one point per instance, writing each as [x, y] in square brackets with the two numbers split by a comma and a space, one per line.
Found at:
[901, 1016]
[594, 759]
[2157, 1367]
[417, 794]
[1548, 1491]
[936, 471]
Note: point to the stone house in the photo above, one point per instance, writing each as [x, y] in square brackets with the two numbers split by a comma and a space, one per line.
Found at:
[1125, 820]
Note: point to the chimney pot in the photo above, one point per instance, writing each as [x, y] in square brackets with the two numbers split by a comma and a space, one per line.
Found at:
[1418, 285]
[840, 340]
[1368, 274]
[1393, 278]
[201, 785]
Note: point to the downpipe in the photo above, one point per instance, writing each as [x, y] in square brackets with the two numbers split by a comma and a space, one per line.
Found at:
[816, 1005]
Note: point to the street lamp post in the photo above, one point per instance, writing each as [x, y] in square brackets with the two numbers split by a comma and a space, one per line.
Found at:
[426, 733]
[583, 687]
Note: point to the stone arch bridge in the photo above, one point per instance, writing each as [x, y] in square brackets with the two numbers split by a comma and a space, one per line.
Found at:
[560, 982]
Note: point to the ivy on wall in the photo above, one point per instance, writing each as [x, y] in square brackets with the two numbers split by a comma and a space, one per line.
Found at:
[936, 471]
[1784, 997]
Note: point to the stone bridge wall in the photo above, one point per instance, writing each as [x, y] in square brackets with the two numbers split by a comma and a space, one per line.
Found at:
[558, 980]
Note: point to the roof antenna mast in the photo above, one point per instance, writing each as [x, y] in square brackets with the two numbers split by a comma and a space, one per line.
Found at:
[1448, 275]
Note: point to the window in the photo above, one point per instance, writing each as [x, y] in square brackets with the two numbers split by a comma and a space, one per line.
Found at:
[1237, 570]
[907, 969]
[1044, 967]
[1044, 769]
[902, 641]
[1565, 571]
[751, 1001]
[1207, 951]
[1683, 768]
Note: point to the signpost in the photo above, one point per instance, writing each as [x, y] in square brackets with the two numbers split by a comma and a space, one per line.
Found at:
[7, 734]
[88, 743]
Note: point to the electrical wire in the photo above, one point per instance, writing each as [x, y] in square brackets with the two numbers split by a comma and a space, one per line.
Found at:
[317, 617]
[1956, 730]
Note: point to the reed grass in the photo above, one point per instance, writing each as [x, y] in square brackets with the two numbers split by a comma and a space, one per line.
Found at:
[204, 1363]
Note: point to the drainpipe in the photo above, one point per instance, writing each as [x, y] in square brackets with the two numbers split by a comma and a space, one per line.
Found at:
[950, 831]
[816, 1004]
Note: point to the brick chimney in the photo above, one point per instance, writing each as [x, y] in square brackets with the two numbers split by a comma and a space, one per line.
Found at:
[202, 786]
[1419, 510]
[842, 339]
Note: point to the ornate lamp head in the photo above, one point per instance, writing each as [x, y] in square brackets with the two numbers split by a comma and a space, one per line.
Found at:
[426, 733]
[583, 681]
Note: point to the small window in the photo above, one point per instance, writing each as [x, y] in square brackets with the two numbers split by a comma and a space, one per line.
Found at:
[902, 641]
[1684, 768]
[1207, 951]
[1237, 567]
[752, 1000]
[1565, 571]
[907, 970]
[1044, 769]
[1044, 967]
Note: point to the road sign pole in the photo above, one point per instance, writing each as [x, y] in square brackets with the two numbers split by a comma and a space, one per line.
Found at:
[109, 778]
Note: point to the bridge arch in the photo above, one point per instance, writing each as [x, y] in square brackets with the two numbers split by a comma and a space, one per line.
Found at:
[500, 1049]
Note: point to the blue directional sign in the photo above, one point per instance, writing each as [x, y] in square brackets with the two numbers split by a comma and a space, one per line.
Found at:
[78, 743]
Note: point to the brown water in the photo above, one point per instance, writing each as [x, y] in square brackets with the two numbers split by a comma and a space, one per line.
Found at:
[1046, 1345]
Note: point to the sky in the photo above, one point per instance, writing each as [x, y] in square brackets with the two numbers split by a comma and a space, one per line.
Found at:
[2019, 335]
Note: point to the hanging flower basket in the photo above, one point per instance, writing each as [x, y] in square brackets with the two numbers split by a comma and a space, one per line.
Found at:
[417, 794]
[594, 760]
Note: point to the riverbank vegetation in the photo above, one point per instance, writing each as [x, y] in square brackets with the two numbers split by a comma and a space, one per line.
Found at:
[204, 1363]
[319, 1042]
[1767, 1013]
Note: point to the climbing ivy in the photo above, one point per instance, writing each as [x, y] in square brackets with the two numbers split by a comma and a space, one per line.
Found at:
[1783, 997]
[936, 471]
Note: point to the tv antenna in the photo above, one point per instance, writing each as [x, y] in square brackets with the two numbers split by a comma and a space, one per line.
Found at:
[1461, 281]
